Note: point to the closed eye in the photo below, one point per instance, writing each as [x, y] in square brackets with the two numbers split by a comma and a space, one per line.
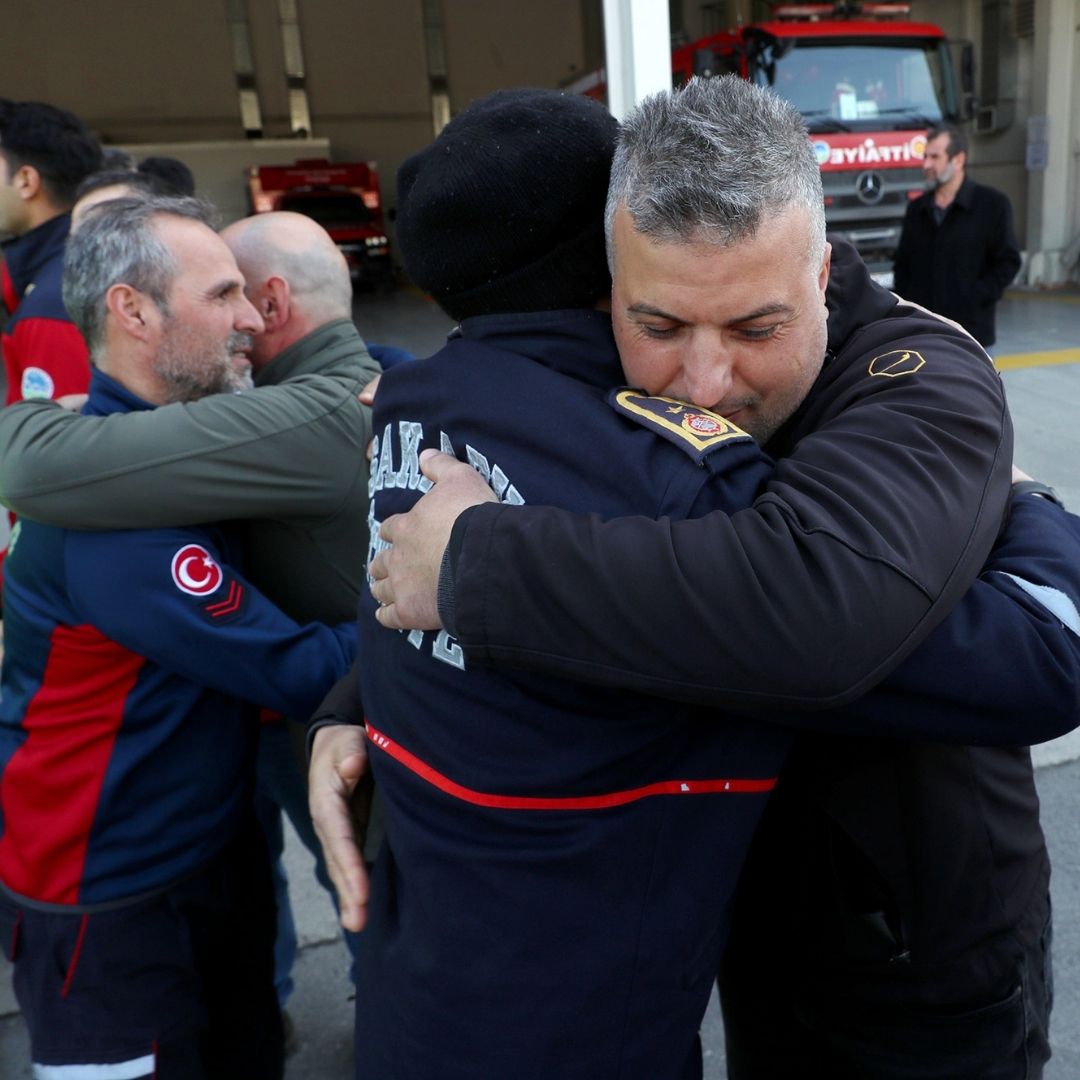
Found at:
[656, 331]
[758, 333]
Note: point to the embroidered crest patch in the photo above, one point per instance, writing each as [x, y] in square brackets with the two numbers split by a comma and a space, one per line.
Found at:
[695, 430]
[36, 383]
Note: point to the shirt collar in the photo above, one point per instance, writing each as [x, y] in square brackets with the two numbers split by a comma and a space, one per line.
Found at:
[108, 396]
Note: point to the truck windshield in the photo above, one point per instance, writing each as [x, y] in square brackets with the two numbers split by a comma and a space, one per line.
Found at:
[330, 209]
[853, 85]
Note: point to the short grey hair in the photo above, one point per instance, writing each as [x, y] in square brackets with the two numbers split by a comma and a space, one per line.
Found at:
[711, 162]
[116, 243]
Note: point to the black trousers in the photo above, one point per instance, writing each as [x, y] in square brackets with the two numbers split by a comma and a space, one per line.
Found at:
[180, 983]
[786, 1016]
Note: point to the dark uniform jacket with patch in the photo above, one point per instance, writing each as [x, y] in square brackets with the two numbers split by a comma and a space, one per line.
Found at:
[551, 899]
[127, 743]
[890, 487]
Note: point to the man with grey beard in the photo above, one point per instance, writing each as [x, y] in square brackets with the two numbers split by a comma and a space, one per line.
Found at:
[135, 895]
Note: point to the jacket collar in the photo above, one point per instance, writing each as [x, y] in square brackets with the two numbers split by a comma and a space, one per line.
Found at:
[109, 396]
[966, 194]
[25, 255]
[576, 341]
[308, 355]
[963, 198]
[852, 296]
[854, 300]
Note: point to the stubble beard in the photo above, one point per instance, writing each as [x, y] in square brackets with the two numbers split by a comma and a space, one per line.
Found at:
[191, 365]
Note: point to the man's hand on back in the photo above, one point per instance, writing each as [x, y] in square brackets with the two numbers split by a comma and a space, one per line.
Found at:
[338, 761]
[406, 576]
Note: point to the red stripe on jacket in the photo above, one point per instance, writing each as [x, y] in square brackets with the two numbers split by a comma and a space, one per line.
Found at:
[604, 801]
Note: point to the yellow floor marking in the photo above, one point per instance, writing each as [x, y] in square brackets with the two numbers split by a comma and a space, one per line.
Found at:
[1037, 359]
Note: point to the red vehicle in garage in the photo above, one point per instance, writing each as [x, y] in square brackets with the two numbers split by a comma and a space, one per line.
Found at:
[869, 85]
[343, 198]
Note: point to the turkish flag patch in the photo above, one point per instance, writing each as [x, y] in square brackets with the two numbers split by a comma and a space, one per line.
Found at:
[195, 572]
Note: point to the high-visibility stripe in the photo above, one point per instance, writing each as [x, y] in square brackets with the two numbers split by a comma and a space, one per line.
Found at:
[605, 801]
[133, 1069]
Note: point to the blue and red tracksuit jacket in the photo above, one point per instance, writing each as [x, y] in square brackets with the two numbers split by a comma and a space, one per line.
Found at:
[127, 740]
[45, 356]
[552, 899]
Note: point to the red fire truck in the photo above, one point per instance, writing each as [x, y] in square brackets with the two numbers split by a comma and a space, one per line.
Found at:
[343, 198]
[869, 86]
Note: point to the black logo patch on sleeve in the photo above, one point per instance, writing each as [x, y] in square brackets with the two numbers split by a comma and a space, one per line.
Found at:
[696, 431]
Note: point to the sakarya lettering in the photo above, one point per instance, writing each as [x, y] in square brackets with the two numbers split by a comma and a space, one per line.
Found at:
[401, 470]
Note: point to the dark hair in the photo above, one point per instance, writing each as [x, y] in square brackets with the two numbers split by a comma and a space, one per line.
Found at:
[958, 143]
[54, 142]
[135, 181]
[115, 157]
[173, 173]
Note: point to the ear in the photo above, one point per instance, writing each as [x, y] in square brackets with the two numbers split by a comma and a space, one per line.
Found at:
[27, 182]
[132, 311]
[823, 273]
[274, 303]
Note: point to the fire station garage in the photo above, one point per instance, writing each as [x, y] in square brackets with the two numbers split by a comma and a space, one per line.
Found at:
[243, 90]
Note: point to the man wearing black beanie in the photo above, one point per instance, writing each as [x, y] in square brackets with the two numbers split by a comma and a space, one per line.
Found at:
[525, 230]
[542, 908]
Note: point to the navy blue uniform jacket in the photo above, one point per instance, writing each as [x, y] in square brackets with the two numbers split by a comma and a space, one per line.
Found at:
[552, 897]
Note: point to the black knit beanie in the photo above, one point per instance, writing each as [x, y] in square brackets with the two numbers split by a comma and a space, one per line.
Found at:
[504, 210]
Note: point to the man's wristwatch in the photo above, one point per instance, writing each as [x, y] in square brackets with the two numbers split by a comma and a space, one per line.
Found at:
[1036, 487]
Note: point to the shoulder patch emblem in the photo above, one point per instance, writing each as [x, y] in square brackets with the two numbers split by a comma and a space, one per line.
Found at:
[695, 430]
[36, 383]
[897, 362]
[195, 572]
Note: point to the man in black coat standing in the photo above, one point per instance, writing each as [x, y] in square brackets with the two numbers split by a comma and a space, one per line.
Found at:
[958, 250]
